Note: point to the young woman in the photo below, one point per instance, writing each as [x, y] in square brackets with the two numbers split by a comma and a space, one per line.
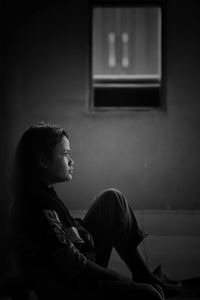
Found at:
[65, 257]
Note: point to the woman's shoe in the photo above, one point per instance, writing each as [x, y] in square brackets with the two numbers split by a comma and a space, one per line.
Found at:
[170, 290]
[159, 274]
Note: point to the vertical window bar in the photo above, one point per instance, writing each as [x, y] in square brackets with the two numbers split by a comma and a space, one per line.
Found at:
[159, 44]
[125, 50]
[111, 50]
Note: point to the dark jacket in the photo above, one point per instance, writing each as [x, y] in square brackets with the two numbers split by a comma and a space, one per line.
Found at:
[46, 233]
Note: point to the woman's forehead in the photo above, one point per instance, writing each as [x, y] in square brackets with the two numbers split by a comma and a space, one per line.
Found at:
[63, 145]
[65, 142]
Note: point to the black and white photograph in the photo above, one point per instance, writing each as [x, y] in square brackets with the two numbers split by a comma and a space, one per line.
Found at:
[100, 150]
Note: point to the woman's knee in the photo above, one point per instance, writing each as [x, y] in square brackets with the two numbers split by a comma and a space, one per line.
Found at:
[112, 198]
[111, 193]
[108, 202]
[114, 204]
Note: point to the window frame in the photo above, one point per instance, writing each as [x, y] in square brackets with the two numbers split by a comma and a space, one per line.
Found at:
[131, 3]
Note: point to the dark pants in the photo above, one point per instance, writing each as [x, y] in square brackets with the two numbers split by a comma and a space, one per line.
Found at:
[112, 223]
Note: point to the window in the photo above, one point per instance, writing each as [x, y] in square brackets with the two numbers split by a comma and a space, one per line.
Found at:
[126, 62]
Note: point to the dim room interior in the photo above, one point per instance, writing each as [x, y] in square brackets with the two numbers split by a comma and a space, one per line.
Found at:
[56, 69]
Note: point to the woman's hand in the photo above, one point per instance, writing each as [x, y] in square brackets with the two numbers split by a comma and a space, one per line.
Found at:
[85, 235]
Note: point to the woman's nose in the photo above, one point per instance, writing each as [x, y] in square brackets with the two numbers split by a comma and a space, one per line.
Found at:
[71, 162]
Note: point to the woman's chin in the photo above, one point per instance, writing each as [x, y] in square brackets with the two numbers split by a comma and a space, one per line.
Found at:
[69, 177]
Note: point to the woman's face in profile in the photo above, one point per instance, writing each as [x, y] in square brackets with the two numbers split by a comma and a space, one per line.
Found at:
[59, 167]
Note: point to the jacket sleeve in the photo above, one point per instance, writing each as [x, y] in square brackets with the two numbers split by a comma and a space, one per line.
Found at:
[63, 244]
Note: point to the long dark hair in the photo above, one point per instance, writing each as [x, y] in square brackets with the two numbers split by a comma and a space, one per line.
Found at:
[37, 141]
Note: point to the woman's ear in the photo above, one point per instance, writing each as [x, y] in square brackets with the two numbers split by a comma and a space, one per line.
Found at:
[43, 162]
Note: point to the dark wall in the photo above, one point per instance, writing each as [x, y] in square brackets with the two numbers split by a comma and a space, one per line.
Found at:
[153, 157]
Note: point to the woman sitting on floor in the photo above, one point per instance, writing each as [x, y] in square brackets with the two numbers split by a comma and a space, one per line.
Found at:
[60, 255]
